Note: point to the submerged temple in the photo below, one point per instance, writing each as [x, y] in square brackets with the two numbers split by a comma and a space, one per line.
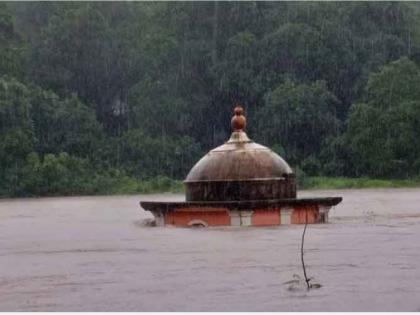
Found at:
[241, 183]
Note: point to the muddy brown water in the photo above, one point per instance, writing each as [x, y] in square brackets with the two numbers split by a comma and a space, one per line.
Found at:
[94, 254]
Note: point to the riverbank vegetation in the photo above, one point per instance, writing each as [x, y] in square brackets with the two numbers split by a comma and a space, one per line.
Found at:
[124, 97]
[120, 184]
[363, 182]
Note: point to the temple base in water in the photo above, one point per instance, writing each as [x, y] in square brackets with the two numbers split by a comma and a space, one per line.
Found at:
[241, 213]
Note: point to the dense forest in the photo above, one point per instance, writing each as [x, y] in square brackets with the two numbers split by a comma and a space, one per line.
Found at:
[96, 96]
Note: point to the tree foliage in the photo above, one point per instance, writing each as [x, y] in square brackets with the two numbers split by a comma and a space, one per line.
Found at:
[298, 118]
[383, 132]
[91, 92]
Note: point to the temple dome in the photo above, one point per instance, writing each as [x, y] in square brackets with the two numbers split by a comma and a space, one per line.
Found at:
[240, 169]
[239, 160]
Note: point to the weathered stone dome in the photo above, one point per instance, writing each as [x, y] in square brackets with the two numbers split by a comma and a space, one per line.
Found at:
[240, 169]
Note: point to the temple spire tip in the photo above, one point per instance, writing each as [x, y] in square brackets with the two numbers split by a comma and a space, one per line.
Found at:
[238, 121]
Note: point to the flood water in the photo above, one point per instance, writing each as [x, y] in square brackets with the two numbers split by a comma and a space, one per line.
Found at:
[94, 254]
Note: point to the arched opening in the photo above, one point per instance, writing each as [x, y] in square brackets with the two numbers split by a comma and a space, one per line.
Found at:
[197, 224]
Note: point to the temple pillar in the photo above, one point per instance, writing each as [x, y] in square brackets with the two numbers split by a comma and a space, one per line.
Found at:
[286, 215]
[235, 218]
[159, 218]
[246, 217]
[240, 218]
[323, 213]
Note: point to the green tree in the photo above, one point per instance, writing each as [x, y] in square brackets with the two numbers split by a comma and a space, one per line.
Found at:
[146, 156]
[16, 131]
[298, 117]
[11, 46]
[383, 131]
[91, 50]
[64, 125]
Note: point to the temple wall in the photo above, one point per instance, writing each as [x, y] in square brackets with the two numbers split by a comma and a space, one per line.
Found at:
[211, 217]
[303, 213]
[220, 216]
[270, 216]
